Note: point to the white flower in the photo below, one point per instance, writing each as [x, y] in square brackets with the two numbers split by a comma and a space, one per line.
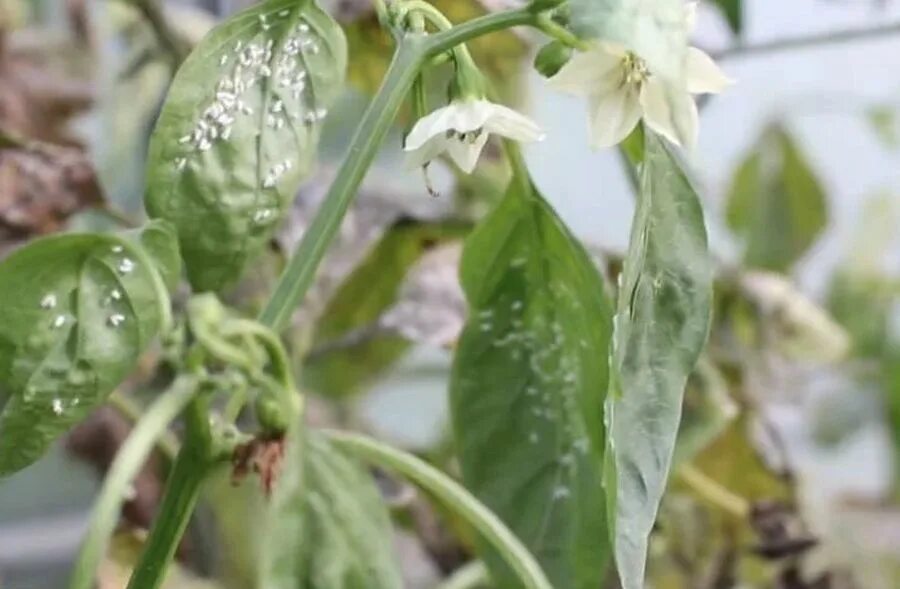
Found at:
[462, 128]
[621, 89]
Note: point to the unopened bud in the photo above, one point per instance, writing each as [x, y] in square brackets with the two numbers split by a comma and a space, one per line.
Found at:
[551, 58]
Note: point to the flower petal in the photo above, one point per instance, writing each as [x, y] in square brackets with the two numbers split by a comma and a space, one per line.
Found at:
[471, 115]
[703, 75]
[466, 153]
[588, 71]
[509, 123]
[691, 15]
[671, 113]
[433, 125]
[428, 151]
[613, 116]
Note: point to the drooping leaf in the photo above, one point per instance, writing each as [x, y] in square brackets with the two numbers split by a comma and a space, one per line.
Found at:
[350, 348]
[528, 385]
[733, 11]
[239, 131]
[76, 311]
[327, 526]
[431, 306]
[662, 322]
[776, 204]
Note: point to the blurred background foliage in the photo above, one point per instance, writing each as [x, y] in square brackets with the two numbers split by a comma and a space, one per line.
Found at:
[788, 463]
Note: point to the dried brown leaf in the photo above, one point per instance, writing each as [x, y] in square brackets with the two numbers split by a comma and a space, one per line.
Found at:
[41, 187]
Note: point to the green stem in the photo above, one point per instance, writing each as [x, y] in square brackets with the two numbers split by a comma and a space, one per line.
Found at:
[171, 41]
[281, 366]
[497, 21]
[163, 299]
[823, 39]
[518, 166]
[469, 576]
[713, 492]
[434, 16]
[167, 443]
[376, 123]
[182, 490]
[552, 29]
[132, 456]
[412, 53]
[455, 497]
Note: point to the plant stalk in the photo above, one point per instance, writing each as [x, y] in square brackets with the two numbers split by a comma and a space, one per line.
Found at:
[412, 53]
[150, 428]
[182, 490]
[811, 41]
[454, 496]
[300, 272]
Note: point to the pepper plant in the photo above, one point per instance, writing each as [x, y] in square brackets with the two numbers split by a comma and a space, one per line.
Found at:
[566, 389]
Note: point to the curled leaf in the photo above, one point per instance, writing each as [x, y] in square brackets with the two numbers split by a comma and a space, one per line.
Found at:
[76, 312]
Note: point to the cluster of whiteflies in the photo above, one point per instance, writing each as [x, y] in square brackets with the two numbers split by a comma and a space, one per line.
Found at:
[621, 89]
[248, 65]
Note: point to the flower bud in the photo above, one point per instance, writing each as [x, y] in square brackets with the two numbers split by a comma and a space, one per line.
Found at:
[551, 58]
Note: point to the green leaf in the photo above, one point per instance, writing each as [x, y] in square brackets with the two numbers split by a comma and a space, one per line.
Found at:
[353, 312]
[777, 204]
[733, 11]
[662, 322]
[528, 386]
[327, 526]
[239, 132]
[76, 311]
[159, 240]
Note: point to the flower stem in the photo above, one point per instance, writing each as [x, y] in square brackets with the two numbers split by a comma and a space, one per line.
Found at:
[455, 497]
[182, 490]
[498, 21]
[169, 39]
[376, 123]
[412, 53]
[469, 576]
[823, 39]
[167, 443]
[550, 28]
[148, 431]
